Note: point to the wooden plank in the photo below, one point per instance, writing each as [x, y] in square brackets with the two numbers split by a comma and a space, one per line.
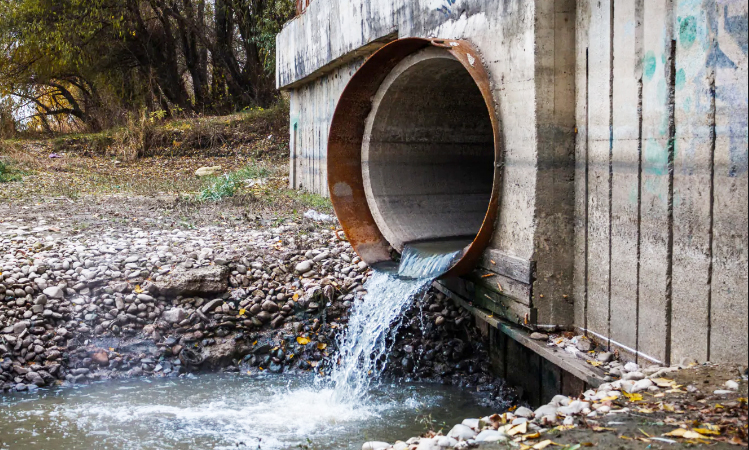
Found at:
[506, 287]
[694, 119]
[728, 341]
[519, 269]
[625, 218]
[581, 163]
[566, 361]
[654, 239]
[598, 167]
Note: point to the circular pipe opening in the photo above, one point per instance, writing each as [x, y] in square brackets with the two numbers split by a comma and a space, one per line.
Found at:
[428, 152]
[413, 151]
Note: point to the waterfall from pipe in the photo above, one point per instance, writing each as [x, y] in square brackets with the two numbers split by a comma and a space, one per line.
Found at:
[364, 345]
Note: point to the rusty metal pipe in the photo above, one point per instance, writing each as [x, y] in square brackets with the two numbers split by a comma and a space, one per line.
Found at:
[414, 151]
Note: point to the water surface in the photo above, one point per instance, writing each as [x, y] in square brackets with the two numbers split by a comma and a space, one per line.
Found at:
[214, 411]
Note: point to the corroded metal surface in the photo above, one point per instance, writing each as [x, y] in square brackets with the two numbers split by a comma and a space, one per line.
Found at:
[345, 143]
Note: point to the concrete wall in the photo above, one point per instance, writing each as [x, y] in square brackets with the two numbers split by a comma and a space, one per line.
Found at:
[661, 177]
[518, 42]
[624, 128]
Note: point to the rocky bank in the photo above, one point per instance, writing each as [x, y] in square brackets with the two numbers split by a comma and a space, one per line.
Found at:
[118, 301]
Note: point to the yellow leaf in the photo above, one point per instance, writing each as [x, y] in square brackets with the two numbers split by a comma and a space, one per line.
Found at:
[632, 397]
[686, 434]
[321, 346]
[535, 435]
[519, 429]
[138, 289]
[667, 407]
[542, 445]
[645, 410]
[594, 363]
[707, 431]
[302, 340]
[664, 382]
[600, 429]
[242, 312]
[295, 297]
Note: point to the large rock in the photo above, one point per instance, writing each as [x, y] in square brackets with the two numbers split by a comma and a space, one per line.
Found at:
[224, 352]
[198, 281]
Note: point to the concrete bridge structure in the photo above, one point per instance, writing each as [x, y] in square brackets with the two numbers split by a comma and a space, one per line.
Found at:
[613, 136]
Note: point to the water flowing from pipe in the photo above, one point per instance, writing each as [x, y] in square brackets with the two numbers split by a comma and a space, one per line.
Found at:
[374, 320]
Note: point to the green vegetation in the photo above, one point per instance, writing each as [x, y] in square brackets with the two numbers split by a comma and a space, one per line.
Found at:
[228, 184]
[8, 173]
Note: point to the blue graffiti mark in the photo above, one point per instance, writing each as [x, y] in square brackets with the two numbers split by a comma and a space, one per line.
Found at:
[446, 8]
[737, 27]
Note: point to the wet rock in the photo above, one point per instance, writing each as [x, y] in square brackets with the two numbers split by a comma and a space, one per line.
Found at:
[208, 280]
[100, 357]
[174, 315]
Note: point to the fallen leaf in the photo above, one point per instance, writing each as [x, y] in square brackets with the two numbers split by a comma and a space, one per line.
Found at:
[632, 397]
[321, 346]
[664, 382]
[542, 445]
[519, 429]
[302, 340]
[707, 431]
[595, 363]
[242, 312]
[601, 429]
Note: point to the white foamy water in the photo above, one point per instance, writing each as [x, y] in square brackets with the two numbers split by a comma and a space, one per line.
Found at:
[363, 346]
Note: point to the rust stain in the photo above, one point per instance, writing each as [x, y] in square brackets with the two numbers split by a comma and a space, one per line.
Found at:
[345, 141]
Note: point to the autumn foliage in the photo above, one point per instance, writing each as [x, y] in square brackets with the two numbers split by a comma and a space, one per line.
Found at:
[87, 65]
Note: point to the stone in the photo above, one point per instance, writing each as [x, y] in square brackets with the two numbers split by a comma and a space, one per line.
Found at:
[605, 357]
[473, 423]
[584, 344]
[461, 432]
[54, 292]
[634, 376]
[375, 445]
[35, 379]
[210, 306]
[631, 367]
[304, 266]
[491, 436]
[524, 412]
[207, 171]
[560, 400]
[200, 281]
[545, 410]
[100, 357]
[732, 385]
[539, 336]
[174, 315]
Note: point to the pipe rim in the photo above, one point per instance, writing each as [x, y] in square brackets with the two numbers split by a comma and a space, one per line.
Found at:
[347, 130]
